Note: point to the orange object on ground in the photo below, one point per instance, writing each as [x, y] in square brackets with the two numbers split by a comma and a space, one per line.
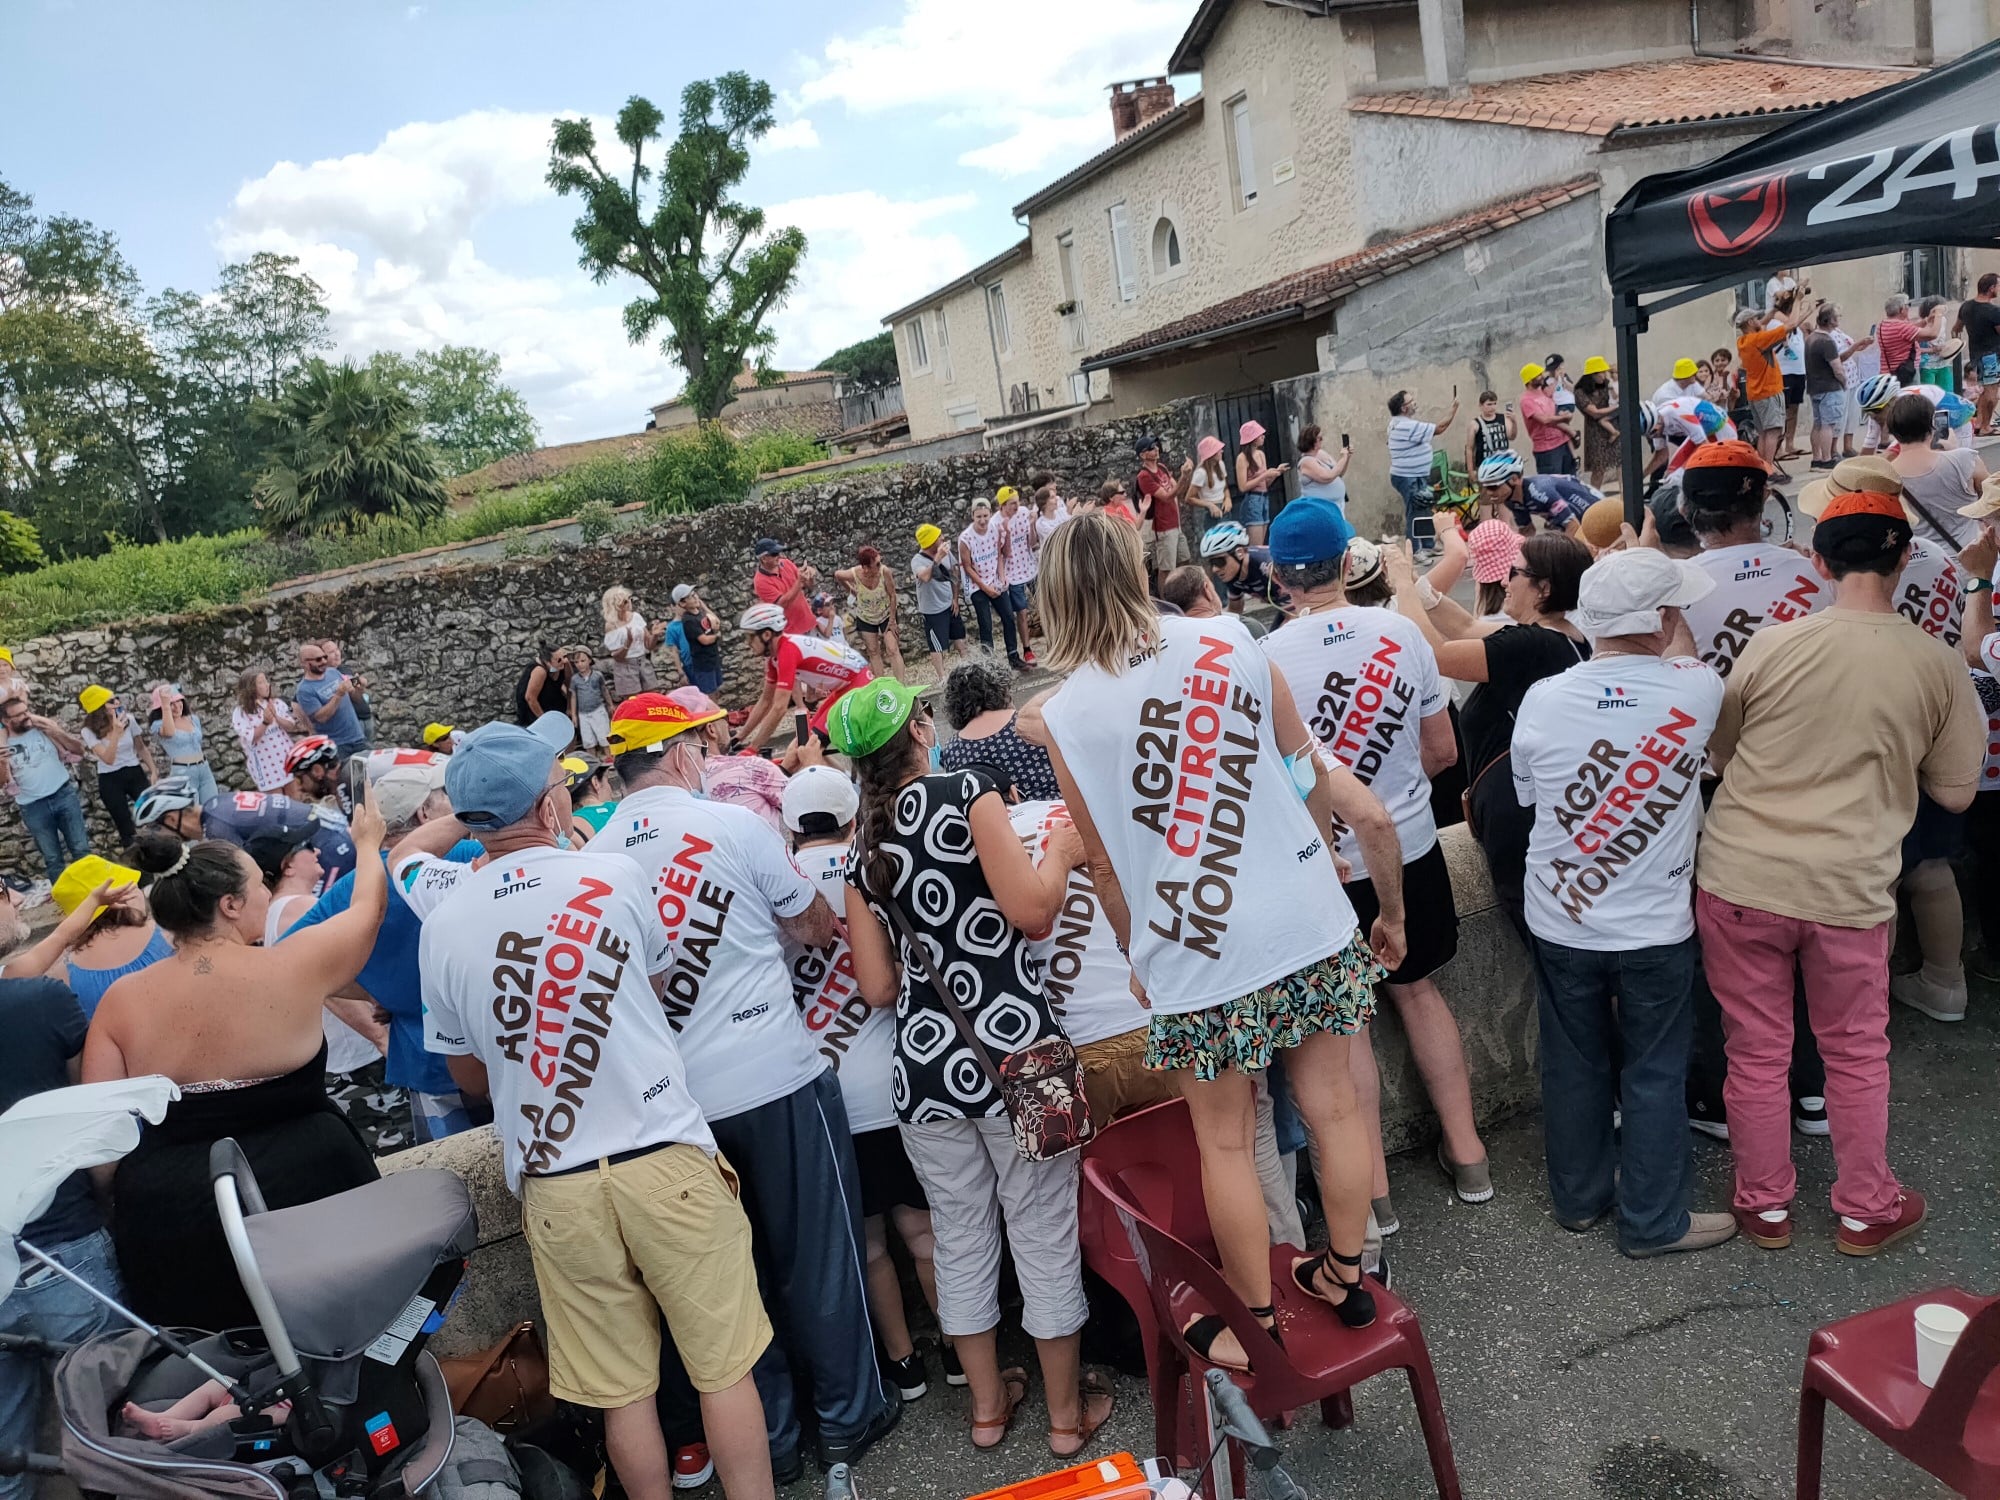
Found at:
[1112, 1478]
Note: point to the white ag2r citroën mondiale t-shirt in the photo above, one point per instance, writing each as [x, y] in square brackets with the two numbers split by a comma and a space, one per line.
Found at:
[1609, 754]
[1230, 885]
[720, 880]
[1364, 681]
[1085, 977]
[1755, 586]
[859, 1039]
[538, 963]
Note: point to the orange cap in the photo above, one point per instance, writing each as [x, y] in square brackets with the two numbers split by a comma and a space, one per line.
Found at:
[1734, 454]
[1863, 503]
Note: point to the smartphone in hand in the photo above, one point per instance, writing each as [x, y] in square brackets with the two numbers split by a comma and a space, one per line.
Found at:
[354, 782]
[1423, 530]
[801, 727]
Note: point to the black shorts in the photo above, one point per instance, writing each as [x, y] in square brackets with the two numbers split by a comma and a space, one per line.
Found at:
[887, 1178]
[1795, 390]
[1430, 916]
[1936, 834]
[942, 628]
[878, 627]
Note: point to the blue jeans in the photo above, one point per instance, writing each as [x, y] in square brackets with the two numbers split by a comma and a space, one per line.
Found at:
[985, 606]
[1634, 1058]
[46, 1306]
[55, 823]
[710, 682]
[1419, 499]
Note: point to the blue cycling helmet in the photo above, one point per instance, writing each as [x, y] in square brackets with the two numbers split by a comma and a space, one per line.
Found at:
[1223, 538]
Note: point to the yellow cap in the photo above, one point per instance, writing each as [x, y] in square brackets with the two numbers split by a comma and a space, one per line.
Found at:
[927, 536]
[6, 655]
[1530, 373]
[435, 732]
[1686, 369]
[1005, 493]
[94, 697]
[84, 876]
[1596, 365]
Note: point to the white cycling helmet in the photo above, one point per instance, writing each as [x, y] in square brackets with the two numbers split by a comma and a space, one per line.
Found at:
[1878, 391]
[1500, 468]
[162, 797]
[1223, 538]
[763, 617]
[1649, 418]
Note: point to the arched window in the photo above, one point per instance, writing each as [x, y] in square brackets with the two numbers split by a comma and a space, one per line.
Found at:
[1166, 247]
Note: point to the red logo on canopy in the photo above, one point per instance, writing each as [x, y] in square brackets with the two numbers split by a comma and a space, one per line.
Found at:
[1734, 219]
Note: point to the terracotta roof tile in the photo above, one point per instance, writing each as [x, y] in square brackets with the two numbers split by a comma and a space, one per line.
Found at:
[1680, 90]
[1318, 285]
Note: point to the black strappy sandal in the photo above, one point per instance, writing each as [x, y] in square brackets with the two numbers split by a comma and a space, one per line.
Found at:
[1202, 1333]
[1357, 1308]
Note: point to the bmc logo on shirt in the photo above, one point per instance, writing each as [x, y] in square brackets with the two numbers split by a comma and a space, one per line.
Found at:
[515, 882]
[1751, 567]
[1615, 697]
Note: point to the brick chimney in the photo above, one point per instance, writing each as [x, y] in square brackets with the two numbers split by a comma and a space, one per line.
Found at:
[1136, 101]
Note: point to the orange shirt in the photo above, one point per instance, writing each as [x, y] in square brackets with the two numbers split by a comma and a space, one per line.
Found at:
[1762, 377]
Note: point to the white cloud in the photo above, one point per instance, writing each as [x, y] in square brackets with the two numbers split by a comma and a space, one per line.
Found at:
[1031, 75]
[865, 255]
[793, 135]
[402, 239]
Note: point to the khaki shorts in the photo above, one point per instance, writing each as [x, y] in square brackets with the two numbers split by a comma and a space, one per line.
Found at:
[1170, 549]
[617, 1245]
[1116, 1079]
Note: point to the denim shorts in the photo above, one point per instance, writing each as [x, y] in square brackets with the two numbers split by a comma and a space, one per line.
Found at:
[1255, 509]
[1989, 368]
[1019, 595]
[1829, 408]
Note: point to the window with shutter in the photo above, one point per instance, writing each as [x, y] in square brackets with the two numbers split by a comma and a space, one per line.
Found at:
[1122, 263]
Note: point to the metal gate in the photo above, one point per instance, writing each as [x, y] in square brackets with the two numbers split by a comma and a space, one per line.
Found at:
[1255, 405]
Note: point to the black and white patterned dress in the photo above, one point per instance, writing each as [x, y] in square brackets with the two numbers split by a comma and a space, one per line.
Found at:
[973, 948]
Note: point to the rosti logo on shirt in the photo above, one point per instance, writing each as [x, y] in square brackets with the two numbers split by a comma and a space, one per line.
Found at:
[1193, 769]
[514, 882]
[1615, 697]
[552, 1011]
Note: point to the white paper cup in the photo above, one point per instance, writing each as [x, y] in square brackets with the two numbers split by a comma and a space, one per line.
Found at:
[1938, 1328]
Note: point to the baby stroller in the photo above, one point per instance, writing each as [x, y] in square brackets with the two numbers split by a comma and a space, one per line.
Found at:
[347, 1292]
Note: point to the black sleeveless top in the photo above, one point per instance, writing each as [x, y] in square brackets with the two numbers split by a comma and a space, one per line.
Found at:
[553, 699]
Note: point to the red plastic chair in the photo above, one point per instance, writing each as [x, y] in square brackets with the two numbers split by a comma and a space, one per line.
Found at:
[1867, 1366]
[1148, 1147]
[1320, 1360]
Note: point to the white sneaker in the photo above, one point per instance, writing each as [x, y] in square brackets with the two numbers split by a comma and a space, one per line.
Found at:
[1934, 1000]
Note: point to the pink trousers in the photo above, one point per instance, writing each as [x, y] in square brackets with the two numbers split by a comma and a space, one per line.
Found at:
[1748, 956]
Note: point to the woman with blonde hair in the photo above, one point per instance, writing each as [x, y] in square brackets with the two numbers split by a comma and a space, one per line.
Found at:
[630, 643]
[1206, 819]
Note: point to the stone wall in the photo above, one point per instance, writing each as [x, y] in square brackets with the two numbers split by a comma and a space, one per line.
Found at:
[447, 643]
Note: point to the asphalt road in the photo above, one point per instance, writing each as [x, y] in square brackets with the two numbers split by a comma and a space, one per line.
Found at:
[1568, 1371]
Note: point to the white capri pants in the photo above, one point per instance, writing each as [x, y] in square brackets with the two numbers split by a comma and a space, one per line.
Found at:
[593, 728]
[972, 1173]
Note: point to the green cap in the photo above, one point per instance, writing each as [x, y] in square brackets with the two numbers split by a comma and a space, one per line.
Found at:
[867, 717]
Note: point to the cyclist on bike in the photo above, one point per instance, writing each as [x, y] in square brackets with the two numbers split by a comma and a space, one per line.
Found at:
[1239, 570]
[242, 818]
[1559, 499]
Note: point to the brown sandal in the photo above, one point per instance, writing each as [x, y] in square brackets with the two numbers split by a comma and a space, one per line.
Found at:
[1091, 1388]
[1015, 1383]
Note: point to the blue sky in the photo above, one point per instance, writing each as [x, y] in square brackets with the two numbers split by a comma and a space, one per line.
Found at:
[398, 151]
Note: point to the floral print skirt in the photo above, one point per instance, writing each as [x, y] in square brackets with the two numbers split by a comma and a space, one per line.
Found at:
[1336, 994]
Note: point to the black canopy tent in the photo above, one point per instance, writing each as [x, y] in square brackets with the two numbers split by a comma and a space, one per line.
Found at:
[1917, 163]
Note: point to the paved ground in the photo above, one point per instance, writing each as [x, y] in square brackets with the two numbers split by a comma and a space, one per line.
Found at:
[1569, 1371]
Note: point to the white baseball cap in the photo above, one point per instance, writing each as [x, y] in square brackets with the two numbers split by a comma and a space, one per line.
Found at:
[682, 590]
[1622, 593]
[819, 789]
[402, 779]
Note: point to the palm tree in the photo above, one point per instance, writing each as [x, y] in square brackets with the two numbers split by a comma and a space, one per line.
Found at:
[342, 447]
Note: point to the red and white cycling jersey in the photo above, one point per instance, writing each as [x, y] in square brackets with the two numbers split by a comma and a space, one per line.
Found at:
[824, 668]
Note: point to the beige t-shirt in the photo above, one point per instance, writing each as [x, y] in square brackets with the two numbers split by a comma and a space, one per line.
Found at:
[1826, 726]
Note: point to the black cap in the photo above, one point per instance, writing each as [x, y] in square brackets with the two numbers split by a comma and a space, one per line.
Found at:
[769, 546]
[1667, 518]
[271, 849]
[1150, 440]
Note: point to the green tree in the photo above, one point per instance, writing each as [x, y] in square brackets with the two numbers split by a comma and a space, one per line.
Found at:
[81, 390]
[20, 547]
[342, 447]
[464, 409]
[712, 274]
[222, 352]
[868, 364]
